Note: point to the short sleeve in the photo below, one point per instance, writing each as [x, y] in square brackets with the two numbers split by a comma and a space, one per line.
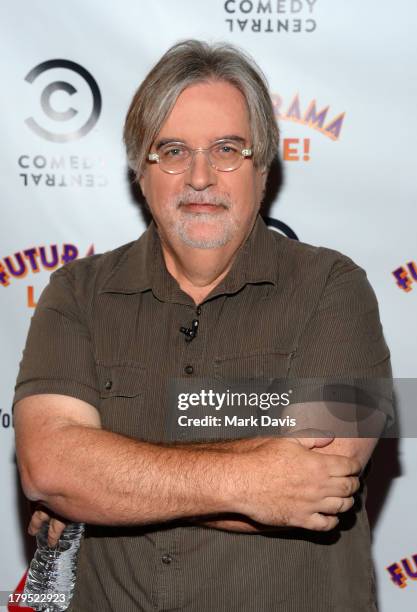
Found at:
[343, 338]
[58, 356]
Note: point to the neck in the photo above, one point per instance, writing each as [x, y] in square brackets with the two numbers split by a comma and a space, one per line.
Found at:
[198, 271]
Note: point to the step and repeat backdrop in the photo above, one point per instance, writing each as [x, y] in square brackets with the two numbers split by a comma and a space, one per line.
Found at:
[342, 79]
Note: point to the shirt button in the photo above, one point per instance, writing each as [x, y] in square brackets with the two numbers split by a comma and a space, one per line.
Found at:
[108, 385]
[167, 559]
[198, 311]
[189, 369]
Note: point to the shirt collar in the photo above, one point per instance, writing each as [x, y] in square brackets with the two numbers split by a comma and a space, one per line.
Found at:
[142, 266]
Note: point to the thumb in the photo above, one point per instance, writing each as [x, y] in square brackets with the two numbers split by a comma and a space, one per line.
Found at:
[56, 528]
[314, 438]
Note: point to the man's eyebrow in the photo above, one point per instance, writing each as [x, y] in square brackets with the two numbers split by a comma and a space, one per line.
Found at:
[231, 137]
[163, 141]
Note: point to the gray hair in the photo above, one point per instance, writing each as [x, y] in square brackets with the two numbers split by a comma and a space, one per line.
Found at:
[187, 63]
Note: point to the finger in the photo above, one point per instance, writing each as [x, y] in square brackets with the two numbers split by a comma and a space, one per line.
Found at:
[312, 438]
[349, 485]
[56, 528]
[345, 486]
[338, 465]
[336, 505]
[321, 522]
[38, 517]
[356, 466]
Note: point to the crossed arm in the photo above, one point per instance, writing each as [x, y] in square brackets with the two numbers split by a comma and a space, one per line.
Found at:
[96, 476]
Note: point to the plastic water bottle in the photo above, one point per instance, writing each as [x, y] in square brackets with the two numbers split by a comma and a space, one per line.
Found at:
[51, 577]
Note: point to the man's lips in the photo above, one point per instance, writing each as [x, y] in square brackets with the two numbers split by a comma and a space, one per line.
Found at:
[203, 207]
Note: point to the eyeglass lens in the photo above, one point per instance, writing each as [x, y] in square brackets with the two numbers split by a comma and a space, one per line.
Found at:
[223, 156]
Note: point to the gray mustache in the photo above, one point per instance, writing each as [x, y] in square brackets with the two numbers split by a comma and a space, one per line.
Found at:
[202, 198]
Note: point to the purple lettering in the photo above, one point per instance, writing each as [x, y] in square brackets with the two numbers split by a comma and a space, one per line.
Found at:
[397, 575]
[276, 103]
[54, 261]
[4, 277]
[403, 280]
[294, 110]
[21, 270]
[333, 129]
[31, 255]
[313, 117]
[69, 253]
[412, 266]
[406, 565]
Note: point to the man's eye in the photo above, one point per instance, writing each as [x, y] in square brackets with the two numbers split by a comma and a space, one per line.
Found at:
[174, 152]
[226, 149]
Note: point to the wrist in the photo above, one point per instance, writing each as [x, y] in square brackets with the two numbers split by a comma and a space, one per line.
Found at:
[237, 470]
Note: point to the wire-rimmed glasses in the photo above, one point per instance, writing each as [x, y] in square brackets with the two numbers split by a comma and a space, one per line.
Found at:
[224, 155]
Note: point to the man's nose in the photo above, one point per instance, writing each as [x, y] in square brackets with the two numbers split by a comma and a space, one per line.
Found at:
[201, 174]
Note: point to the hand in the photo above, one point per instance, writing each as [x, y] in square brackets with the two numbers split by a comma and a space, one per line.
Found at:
[236, 523]
[56, 526]
[285, 484]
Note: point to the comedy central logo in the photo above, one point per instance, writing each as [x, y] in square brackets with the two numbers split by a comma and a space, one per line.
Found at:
[279, 16]
[59, 96]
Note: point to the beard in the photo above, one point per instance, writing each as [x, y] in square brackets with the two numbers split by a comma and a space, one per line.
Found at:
[203, 230]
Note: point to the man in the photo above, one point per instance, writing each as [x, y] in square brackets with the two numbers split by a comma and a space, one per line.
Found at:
[207, 291]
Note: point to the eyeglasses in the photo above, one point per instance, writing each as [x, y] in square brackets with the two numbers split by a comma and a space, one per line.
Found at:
[223, 155]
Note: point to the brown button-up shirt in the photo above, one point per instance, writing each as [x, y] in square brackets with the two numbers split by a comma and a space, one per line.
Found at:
[107, 330]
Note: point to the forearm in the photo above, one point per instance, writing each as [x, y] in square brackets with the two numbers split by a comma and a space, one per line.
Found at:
[84, 473]
[237, 523]
[106, 478]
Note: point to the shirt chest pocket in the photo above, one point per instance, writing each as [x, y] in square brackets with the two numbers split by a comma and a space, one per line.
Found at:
[122, 388]
[265, 365]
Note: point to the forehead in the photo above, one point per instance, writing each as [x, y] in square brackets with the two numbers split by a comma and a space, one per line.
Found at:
[207, 111]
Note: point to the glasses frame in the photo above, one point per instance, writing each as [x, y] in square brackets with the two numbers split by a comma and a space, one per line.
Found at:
[245, 153]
